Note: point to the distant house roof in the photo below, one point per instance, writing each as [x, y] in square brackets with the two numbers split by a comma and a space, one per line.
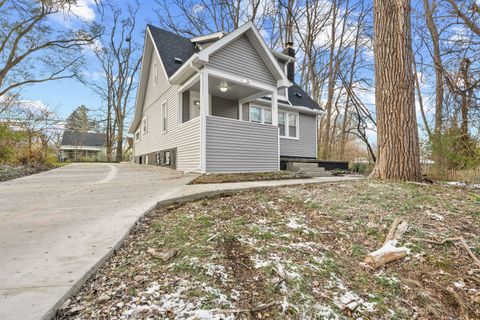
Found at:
[171, 46]
[83, 139]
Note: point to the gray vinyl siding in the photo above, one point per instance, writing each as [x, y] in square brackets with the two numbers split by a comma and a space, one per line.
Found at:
[185, 137]
[223, 107]
[242, 59]
[246, 112]
[305, 146]
[239, 146]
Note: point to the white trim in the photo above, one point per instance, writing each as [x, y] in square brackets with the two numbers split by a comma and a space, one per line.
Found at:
[204, 105]
[252, 97]
[208, 37]
[262, 114]
[139, 135]
[189, 83]
[145, 125]
[240, 110]
[155, 72]
[67, 147]
[287, 129]
[284, 57]
[164, 116]
[204, 55]
[274, 108]
[240, 80]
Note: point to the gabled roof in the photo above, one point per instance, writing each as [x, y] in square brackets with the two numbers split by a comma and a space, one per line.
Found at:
[83, 139]
[171, 46]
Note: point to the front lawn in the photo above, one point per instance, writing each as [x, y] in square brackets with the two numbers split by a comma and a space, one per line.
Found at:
[294, 253]
[245, 177]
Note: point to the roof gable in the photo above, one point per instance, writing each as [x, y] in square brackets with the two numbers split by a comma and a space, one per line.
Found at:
[258, 42]
[241, 58]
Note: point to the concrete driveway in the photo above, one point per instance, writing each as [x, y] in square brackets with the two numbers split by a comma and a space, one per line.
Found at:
[58, 225]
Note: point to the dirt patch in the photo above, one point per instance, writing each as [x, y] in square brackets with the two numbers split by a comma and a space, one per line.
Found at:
[10, 172]
[301, 247]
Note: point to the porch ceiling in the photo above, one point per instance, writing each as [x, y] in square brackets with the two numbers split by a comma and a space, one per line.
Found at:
[235, 90]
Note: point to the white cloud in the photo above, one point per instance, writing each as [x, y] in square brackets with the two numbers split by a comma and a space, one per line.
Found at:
[82, 10]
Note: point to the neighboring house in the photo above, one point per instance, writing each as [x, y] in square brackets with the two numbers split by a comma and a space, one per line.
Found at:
[220, 103]
[83, 146]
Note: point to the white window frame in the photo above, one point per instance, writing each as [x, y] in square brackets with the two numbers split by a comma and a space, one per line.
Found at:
[287, 129]
[138, 135]
[164, 116]
[263, 109]
[144, 125]
[155, 72]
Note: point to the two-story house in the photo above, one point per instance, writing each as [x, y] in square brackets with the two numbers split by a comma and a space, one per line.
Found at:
[220, 103]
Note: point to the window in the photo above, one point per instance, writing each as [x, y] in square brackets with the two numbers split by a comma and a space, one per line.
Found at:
[145, 125]
[256, 114]
[260, 115]
[137, 136]
[288, 124]
[164, 116]
[281, 123]
[155, 73]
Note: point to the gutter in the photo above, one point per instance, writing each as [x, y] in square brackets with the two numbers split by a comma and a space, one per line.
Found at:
[188, 64]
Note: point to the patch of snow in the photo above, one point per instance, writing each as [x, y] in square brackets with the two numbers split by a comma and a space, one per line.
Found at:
[293, 224]
[153, 299]
[325, 312]
[459, 284]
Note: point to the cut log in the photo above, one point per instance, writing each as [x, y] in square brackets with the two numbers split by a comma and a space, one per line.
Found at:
[387, 253]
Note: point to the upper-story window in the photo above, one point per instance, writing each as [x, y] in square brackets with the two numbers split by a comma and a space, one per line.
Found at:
[145, 125]
[260, 115]
[288, 124]
[137, 136]
[164, 115]
[155, 73]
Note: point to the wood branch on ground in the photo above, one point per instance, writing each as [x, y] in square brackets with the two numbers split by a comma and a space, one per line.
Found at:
[389, 251]
[256, 309]
[454, 239]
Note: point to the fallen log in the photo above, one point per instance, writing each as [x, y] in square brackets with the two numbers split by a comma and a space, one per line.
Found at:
[389, 251]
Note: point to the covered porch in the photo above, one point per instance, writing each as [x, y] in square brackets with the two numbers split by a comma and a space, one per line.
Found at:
[229, 141]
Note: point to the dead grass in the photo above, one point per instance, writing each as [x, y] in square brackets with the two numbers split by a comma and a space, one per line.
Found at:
[244, 177]
[301, 247]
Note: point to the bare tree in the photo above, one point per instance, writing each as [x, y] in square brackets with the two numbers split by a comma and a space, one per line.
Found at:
[120, 58]
[397, 135]
[32, 49]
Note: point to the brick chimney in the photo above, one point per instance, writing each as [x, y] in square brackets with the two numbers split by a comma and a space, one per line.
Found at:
[290, 51]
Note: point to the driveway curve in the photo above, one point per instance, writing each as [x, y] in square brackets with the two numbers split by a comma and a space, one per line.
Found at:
[57, 226]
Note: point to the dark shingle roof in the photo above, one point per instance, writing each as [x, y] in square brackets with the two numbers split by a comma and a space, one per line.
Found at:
[171, 46]
[83, 139]
[298, 97]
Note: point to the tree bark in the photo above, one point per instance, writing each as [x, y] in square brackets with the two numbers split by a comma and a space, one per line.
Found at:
[397, 131]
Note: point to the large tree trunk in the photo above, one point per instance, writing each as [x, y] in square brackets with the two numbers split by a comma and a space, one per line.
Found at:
[119, 149]
[397, 131]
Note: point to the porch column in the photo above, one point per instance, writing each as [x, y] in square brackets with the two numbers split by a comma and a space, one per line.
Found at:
[204, 106]
[274, 108]
[204, 93]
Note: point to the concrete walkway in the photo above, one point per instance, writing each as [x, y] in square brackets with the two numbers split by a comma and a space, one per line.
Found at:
[58, 227]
